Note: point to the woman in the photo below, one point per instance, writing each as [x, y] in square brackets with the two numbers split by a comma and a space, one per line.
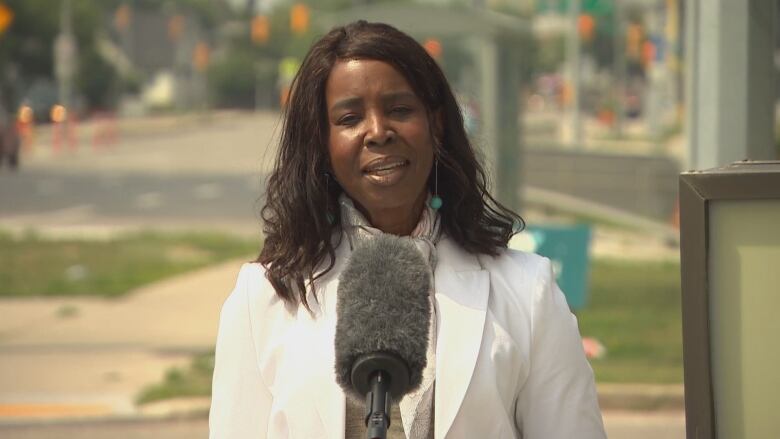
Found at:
[373, 142]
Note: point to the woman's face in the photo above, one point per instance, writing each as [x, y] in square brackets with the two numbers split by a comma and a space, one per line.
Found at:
[380, 142]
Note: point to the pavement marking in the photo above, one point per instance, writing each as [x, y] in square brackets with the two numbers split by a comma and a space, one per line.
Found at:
[208, 191]
[149, 200]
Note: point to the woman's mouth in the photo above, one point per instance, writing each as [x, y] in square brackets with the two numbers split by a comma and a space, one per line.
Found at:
[386, 172]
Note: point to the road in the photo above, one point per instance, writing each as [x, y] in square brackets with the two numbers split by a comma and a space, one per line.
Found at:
[195, 174]
[56, 197]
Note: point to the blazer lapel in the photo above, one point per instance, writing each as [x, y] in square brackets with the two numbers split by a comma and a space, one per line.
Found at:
[462, 289]
[329, 398]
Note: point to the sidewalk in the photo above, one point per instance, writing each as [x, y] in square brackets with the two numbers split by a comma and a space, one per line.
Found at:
[86, 358]
[66, 359]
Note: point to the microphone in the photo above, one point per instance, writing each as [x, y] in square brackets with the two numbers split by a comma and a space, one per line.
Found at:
[383, 315]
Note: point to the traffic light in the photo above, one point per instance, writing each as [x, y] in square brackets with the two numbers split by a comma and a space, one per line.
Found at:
[586, 25]
[649, 52]
[122, 17]
[175, 27]
[299, 18]
[200, 57]
[6, 17]
[634, 38]
[261, 29]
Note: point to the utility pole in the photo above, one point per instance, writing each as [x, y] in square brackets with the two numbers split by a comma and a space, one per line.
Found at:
[573, 49]
[65, 55]
[730, 82]
[620, 67]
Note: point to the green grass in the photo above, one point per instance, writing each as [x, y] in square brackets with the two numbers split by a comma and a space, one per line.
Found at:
[192, 381]
[634, 311]
[34, 266]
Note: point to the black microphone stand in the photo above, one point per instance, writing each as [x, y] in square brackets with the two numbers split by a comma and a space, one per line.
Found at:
[381, 376]
[378, 407]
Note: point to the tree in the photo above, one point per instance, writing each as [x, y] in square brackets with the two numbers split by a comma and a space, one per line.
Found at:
[26, 47]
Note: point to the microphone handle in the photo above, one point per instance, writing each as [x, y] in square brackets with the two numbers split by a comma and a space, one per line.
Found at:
[378, 406]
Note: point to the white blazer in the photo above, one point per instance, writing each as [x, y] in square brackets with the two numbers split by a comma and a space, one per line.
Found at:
[509, 359]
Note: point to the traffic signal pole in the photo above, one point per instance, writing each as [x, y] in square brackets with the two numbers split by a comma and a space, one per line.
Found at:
[65, 55]
[573, 55]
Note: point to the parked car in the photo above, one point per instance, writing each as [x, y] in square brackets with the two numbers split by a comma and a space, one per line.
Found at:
[41, 97]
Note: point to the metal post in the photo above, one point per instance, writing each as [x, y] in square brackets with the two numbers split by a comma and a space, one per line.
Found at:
[65, 55]
[573, 49]
[730, 81]
[509, 165]
[488, 55]
[620, 67]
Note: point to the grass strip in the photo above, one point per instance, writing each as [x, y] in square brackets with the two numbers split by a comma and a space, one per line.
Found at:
[31, 265]
[635, 312]
[178, 383]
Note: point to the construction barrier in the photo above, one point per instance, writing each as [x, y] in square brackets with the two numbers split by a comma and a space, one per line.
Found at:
[105, 130]
[25, 122]
[64, 126]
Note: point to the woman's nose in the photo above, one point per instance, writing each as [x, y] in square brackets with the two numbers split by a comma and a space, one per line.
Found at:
[378, 131]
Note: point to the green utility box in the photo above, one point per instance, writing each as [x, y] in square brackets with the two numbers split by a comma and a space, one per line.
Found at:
[567, 247]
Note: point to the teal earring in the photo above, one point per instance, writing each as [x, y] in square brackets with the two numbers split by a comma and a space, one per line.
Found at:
[436, 201]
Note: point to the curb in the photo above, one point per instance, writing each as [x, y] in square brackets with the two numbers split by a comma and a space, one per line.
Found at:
[641, 397]
[75, 413]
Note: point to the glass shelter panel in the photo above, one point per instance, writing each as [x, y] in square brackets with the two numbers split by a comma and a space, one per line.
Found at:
[744, 279]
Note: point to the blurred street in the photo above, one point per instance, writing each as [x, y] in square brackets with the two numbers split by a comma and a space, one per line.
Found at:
[206, 173]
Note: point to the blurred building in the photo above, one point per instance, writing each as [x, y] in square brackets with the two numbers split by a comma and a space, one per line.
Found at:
[162, 49]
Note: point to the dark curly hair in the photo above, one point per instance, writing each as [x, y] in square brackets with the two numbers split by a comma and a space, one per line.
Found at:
[301, 215]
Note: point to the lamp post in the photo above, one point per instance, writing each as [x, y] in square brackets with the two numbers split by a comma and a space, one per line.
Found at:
[573, 49]
[65, 55]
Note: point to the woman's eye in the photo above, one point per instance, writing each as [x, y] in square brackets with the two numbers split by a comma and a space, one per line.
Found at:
[349, 120]
[401, 110]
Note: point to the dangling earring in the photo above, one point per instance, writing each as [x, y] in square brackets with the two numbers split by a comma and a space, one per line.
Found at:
[436, 200]
[328, 215]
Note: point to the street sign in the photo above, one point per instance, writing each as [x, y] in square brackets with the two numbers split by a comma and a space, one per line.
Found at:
[6, 17]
